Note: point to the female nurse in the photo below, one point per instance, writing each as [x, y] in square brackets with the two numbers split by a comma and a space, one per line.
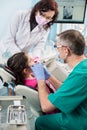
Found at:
[30, 29]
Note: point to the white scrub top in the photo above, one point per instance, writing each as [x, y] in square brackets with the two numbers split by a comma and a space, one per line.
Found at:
[20, 38]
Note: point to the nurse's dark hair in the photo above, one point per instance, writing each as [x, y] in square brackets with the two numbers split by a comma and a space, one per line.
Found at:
[44, 6]
[74, 40]
[16, 64]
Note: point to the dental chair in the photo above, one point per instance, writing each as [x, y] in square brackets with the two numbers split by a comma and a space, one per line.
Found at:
[31, 95]
[28, 93]
[6, 76]
[59, 70]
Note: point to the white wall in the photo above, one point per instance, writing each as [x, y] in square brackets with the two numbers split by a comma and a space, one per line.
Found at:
[8, 9]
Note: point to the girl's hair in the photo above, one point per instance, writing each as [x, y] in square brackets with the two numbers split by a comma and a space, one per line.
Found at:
[45, 6]
[17, 63]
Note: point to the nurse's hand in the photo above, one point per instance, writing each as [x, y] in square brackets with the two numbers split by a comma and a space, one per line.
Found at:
[38, 70]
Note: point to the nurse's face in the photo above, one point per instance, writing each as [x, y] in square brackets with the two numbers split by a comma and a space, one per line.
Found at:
[43, 18]
[48, 15]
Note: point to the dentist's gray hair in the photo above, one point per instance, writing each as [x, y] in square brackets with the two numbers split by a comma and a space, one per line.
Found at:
[74, 40]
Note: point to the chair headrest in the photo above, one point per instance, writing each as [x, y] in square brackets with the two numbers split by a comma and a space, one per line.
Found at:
[7, 69]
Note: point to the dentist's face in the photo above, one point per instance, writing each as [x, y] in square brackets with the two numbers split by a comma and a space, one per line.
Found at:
[63, 50]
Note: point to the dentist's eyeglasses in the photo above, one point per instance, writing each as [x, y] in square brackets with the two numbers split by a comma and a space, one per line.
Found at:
[58, 46]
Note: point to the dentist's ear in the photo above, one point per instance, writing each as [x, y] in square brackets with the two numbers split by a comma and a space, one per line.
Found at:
[67, 51]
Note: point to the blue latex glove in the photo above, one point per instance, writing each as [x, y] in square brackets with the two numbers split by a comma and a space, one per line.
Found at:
[38, 70]
[47, 74]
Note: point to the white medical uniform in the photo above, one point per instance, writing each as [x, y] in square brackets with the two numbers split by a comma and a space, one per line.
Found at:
[20, 38]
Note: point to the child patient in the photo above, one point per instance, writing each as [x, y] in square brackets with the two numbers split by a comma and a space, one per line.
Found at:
[19, 64]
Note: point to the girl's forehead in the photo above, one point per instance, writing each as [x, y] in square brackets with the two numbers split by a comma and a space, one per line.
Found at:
[27, 55]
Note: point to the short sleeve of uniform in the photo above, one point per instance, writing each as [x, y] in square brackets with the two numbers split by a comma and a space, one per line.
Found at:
[73, 91]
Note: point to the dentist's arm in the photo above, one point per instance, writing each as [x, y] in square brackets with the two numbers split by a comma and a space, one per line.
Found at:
[55, 82]
[46, 105]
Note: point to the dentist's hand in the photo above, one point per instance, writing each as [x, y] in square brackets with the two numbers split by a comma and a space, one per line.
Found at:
[46, 73]
[38, 70]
